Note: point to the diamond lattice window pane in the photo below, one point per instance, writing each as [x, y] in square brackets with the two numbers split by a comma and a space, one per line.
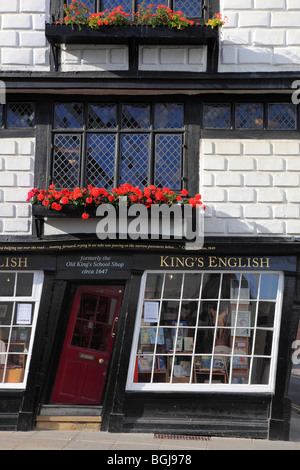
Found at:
[102, 116]
[135, 116]
[66, 161]
[68, 116]
[216, 116]
[100, 162]
[249, 116]
[110, 4]
[169, 116]
[20, 115]
[168, 156]
[89, 3]
[134, 159]
[282, 116]
[189, 8]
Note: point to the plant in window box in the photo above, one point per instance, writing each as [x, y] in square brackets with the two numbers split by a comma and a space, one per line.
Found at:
[86, 200]
[217, 21]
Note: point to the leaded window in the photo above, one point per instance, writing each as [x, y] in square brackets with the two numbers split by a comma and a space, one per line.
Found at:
[108, 144]
[16, 115]
[206, 330]
[189, 8]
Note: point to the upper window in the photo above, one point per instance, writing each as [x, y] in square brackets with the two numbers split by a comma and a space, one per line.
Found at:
[108, 144]
[17, 115]
[189, 8]
[206, 331]
[250, 116]
[20, 294]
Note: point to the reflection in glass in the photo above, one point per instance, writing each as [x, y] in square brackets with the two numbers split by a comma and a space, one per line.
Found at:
[211, 286]
[188, 313]
[6, 309]
[169, 312]
[268, 286]
[263, 342]
[24, 284]
[7, 284]
[204, 340]
[172, 288]
[191, 286]
[266, 313]
[154, 286]
[260, 370]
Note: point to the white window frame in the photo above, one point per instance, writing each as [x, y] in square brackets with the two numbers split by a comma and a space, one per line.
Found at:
[38, 278]
[212, 387]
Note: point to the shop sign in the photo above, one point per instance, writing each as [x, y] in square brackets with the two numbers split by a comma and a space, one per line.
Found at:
[93, 266]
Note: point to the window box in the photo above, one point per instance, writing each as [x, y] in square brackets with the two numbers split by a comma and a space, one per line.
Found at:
[65, 34]
[165, 229]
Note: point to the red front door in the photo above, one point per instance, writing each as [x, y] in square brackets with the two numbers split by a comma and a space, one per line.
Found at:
[84, 361]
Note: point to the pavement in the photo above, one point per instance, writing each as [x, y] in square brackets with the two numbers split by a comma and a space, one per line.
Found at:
[114, 443]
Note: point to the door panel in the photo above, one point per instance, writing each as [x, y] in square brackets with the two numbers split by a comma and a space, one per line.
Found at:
[88, 344]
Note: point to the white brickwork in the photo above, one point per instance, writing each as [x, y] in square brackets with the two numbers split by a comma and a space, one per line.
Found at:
[16, 179]
[102, 57]
[260, 36]
[253, 192]
[23, 45]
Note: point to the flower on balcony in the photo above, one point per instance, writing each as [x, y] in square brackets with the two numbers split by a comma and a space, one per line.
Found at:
[92, 197]
[77, 13]
[217, 21]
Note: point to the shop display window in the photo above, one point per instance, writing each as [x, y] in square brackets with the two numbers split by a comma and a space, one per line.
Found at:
[209, 329]
[19, 299]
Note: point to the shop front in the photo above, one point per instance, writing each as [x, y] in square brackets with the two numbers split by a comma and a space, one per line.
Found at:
[157, 338]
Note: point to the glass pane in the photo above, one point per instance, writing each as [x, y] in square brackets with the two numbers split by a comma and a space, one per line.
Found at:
[102, 116]
[230, 286]
[168, 151]
[266, 313]
[263, 342]
[100, 337]
[66, 161]
[89, 3]
[260, 370]
[15, 368]
[68, 116]
[153, 286]
[169, 116]
[100, 165]
[204, 340]
[172, 289]
[4, 335]
[250, 282]
[110, 4]
[188, 313]
[217, 116]
[189, 8]
[240, 369]
[191, 286]
[20, 115]
[135, 116]
[268, 286]
[7, 284]
[182, 369]
[282, 116]
[19, 340]
[6, 309]
[150, 313]
[1, 115]
[249, 116]
[134, 159]
[24, 284]
[207, 314]
[169, 313]
[211, 286]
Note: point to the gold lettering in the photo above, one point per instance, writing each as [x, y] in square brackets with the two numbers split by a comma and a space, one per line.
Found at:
[266, 262]
[191, 265]
[222, 261]
[212, 260]
[23, 262]
[200, 262]
[13, 262]
[179, 261]
[163, 262]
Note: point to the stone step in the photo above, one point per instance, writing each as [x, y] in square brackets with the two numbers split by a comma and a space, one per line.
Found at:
[69, 417]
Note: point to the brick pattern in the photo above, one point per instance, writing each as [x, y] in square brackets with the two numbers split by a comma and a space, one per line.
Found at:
[250, 187]
[23, 45]
[260, 35]
[94, 58]
[16, 179]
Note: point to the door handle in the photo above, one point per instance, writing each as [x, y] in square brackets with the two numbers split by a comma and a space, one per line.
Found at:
[101, 361]
[113, 327]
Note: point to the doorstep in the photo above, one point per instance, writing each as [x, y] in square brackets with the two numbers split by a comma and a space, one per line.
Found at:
[69, 418]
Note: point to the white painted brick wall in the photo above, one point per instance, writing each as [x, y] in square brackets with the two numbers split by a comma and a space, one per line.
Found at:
[260, 35]
[16, 180]
[23, 45]
[255, 192]
[173, 58]
[94, 58]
